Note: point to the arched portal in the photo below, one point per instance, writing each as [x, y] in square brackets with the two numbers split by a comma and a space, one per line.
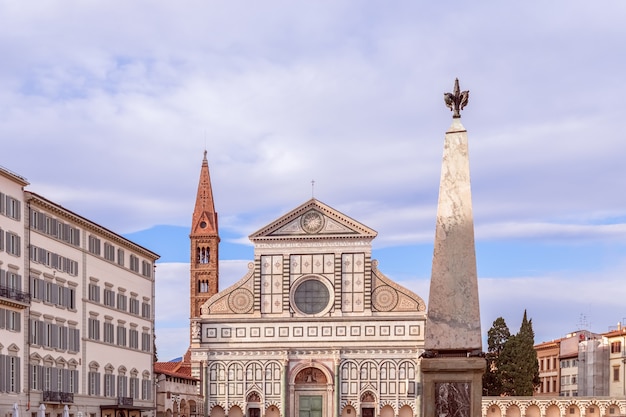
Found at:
[368, 404]
[254, 404]
[312, 388]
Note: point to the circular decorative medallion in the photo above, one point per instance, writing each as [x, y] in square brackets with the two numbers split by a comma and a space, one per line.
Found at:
[312, 222]
[384, 298]
[240, 300]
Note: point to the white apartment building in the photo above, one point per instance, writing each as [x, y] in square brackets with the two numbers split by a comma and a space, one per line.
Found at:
[14, 300]
[76, 313]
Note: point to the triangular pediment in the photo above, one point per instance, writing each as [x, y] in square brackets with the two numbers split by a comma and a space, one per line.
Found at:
[205, 224]
[314, 220]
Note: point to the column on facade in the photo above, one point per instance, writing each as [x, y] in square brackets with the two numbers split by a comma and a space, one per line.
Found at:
[284, 388]
[337, 388]
[205, 386]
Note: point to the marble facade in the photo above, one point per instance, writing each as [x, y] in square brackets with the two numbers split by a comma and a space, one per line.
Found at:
[313, 327]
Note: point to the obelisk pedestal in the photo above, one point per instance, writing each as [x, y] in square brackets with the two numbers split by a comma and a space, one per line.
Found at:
[452, 364]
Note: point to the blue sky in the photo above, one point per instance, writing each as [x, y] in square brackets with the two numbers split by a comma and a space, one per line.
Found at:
[106, 108]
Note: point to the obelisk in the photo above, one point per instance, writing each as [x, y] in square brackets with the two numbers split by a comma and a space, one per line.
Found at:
[452, 364]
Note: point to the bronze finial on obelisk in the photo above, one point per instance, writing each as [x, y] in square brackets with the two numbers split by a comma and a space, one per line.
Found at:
[451, 364]
[457, 100]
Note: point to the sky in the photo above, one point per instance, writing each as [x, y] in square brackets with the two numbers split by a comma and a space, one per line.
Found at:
[106, 108]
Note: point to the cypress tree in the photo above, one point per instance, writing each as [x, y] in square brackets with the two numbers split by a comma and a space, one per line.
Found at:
[497, 337]
[528, 364]
[517, 363]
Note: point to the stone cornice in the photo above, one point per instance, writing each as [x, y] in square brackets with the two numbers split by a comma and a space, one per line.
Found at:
[39, 201]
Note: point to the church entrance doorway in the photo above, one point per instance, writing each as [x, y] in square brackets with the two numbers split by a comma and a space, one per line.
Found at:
[367, 412]
[310, 406]
[311, 397]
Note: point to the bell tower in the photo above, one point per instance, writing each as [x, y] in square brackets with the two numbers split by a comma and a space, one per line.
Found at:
[204, 238]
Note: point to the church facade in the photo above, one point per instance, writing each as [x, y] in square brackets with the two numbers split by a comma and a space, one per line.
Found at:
[314, 328]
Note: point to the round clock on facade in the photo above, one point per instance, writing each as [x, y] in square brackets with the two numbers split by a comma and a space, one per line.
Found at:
[203, 224]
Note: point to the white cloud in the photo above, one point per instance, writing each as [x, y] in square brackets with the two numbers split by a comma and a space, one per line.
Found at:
[547, 231]
[172, 303]
[106, 109]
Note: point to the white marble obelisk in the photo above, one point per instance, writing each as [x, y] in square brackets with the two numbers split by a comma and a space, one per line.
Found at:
[453, 310]
[452, 364]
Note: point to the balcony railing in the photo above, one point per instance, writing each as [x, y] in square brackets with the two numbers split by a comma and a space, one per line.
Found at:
[58, 397]
[13, 294]
[124, 400]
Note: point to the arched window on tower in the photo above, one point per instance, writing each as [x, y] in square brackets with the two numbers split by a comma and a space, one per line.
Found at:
[203, 255]
[203, 286]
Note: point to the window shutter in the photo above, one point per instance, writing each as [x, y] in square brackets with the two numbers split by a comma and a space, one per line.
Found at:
[66, 380]
[18, 374]
[17, 249]
[42, 287]
[75, 377]
[54, 299]
[2, 318]
[41, 333]
[3, 373]
[55, 335]
[40, 377]
[41, 221]
[18, 214]
[54, 379]
[77, 237]
[33, 332]
[64, 338]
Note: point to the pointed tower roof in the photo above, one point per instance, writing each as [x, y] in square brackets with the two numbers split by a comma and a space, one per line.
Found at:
[204, 220]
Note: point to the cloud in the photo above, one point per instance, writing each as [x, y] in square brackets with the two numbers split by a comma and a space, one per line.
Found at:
[552, 231]
[172, 306]
[106, 109]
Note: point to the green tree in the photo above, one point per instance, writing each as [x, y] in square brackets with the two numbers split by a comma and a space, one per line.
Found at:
[155, 357]
[528, 360]
[497, 337]
[517, 363]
